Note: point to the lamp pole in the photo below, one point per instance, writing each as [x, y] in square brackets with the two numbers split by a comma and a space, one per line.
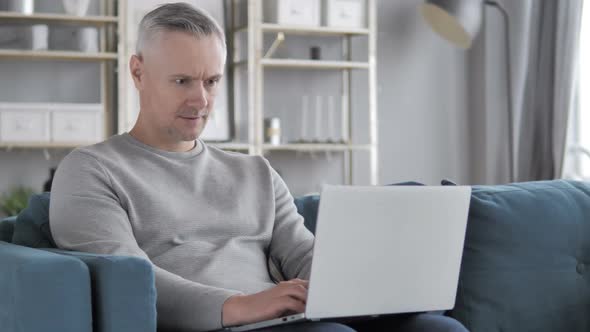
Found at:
[510, 119]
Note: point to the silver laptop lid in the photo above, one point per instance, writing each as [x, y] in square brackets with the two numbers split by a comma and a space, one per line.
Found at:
[383, 250]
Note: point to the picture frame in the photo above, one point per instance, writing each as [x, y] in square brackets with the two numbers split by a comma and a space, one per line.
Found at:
[220, 127]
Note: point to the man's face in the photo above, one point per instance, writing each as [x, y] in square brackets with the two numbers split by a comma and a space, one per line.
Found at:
[178, 76]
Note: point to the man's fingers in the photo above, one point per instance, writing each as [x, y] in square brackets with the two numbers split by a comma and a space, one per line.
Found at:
[305, 283]
[300, 293]
[296, 291]
[297, 280]
[292, 305]
[286, 305]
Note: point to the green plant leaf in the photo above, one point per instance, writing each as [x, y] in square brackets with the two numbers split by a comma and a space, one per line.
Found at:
[15, 201]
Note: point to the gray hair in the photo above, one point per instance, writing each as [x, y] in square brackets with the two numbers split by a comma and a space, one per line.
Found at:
[177, 17]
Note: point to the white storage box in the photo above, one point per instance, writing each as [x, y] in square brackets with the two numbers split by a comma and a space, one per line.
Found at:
[23, 122]
[345, 13]
[292, 12]
[77, 123]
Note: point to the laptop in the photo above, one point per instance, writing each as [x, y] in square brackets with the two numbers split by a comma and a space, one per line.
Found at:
[383, 250]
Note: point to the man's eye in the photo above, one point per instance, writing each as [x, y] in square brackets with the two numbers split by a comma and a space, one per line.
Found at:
[212, 82]
[181, 81]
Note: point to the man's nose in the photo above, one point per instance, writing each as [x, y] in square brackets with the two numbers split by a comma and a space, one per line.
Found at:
[198, 96]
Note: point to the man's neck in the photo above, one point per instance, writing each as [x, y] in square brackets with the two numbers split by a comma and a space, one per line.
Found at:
[178, 146]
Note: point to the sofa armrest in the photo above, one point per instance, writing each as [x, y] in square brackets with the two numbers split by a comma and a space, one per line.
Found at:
[43, 291]
[123, 292]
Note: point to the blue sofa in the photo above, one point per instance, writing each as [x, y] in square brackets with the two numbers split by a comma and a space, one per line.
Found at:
[524, 268]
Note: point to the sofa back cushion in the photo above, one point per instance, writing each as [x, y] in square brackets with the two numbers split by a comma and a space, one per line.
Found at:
[31, 228]
[307, 206]
[7, 229]
[525, 262]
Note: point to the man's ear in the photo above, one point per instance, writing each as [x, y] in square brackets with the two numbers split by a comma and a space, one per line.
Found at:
[136, 70]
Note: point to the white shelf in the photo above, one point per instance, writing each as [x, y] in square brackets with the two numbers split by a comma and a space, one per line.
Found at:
[58, 18]
[230, 146]
[43, 145]
[308, 64]
[316, 147]
[57, 55]
[321, 31]
[310, 30]
[6, 105]
[313, 64]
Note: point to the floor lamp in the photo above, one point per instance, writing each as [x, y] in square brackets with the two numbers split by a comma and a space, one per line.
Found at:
[458, 21]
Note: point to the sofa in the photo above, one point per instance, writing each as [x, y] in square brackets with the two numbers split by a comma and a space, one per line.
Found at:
[524, 268]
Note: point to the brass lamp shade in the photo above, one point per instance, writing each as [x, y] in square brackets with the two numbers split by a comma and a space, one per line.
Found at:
[457, 21]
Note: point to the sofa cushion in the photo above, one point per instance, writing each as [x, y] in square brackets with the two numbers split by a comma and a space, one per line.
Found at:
[525, 263]
[7, 229]
[32, 224]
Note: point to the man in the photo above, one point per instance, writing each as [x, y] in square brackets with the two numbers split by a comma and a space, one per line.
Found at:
[212, 223]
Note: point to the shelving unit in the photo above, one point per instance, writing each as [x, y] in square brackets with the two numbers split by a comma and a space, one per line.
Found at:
[256, 64]
[107, 24]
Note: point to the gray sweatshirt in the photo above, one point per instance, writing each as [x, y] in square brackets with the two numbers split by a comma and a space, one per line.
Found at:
[208, 220]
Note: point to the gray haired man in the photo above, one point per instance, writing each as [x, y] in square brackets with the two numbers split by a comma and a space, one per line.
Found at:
[209, 221]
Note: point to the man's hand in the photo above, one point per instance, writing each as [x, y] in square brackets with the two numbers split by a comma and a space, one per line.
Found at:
[288, 297]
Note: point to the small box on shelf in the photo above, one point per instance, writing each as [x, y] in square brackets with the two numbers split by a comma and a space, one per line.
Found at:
[76, 123]
[293, 12]
[24, 125]
[344, 13]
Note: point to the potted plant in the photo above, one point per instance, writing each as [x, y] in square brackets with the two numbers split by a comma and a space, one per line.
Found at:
[15, 201]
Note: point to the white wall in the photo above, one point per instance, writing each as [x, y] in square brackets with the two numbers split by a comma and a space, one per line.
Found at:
[422, 99]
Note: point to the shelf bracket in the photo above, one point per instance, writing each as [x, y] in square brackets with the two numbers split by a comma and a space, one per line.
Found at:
[279, 39]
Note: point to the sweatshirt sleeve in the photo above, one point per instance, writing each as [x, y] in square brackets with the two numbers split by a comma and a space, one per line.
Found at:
[291, 246]
[86, 215]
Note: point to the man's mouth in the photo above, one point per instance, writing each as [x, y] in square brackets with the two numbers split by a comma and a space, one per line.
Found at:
[194, 117]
